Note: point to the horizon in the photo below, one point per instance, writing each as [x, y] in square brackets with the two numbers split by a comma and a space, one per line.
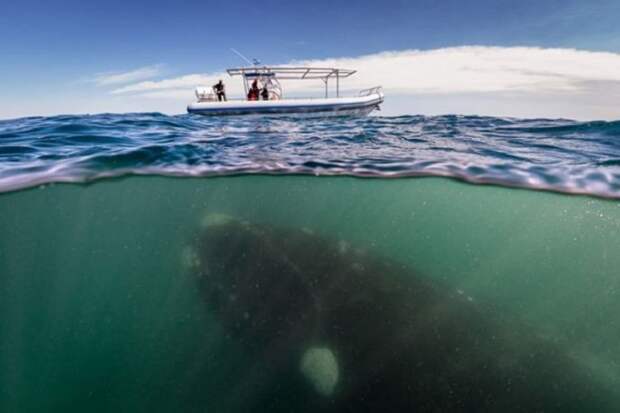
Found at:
[551, 59]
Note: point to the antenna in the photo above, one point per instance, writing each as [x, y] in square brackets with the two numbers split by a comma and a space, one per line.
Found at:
[243, 57]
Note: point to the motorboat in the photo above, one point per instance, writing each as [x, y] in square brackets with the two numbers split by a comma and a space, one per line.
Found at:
[273, 102]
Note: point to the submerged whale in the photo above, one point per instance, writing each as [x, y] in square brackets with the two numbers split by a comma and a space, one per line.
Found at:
[334, 328]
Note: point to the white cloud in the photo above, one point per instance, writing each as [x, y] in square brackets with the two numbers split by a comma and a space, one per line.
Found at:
[187, 81]
[175, 94]
[118, 78]
[468, 69]
[481, 69]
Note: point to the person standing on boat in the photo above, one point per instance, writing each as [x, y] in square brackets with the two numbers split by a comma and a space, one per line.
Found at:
[264, 93]
[218, 88]
[254, 91]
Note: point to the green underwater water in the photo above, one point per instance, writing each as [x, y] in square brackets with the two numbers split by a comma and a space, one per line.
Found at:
[99, 313]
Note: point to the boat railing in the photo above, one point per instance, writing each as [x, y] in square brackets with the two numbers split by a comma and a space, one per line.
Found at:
[237, 99]
[371, 91]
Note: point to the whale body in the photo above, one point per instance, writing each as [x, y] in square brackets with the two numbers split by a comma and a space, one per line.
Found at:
[332, 327]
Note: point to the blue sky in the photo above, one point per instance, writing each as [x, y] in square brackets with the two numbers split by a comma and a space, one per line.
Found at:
[53, 52]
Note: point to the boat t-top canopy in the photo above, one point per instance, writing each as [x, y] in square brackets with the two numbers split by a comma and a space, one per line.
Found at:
[283, 72]
[293, 73]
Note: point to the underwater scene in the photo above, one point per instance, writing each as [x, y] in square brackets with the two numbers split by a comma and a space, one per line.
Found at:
[154, 263]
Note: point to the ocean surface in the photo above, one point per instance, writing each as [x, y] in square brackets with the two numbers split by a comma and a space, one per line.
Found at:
[558, 155]
[109, 299]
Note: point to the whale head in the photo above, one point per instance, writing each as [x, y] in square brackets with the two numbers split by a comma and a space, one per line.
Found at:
[250, 284]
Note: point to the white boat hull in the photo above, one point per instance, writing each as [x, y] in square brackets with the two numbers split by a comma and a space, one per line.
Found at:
[328, 107]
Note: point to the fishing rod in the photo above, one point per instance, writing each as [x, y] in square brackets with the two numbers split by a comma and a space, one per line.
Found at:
[253, 62]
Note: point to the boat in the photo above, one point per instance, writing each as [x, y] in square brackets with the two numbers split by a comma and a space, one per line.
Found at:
[276, 104]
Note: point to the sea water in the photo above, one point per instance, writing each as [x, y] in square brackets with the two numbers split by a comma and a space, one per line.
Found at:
[98, 311]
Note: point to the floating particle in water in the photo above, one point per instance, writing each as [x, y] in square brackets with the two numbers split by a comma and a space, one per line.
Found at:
[189, 258]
